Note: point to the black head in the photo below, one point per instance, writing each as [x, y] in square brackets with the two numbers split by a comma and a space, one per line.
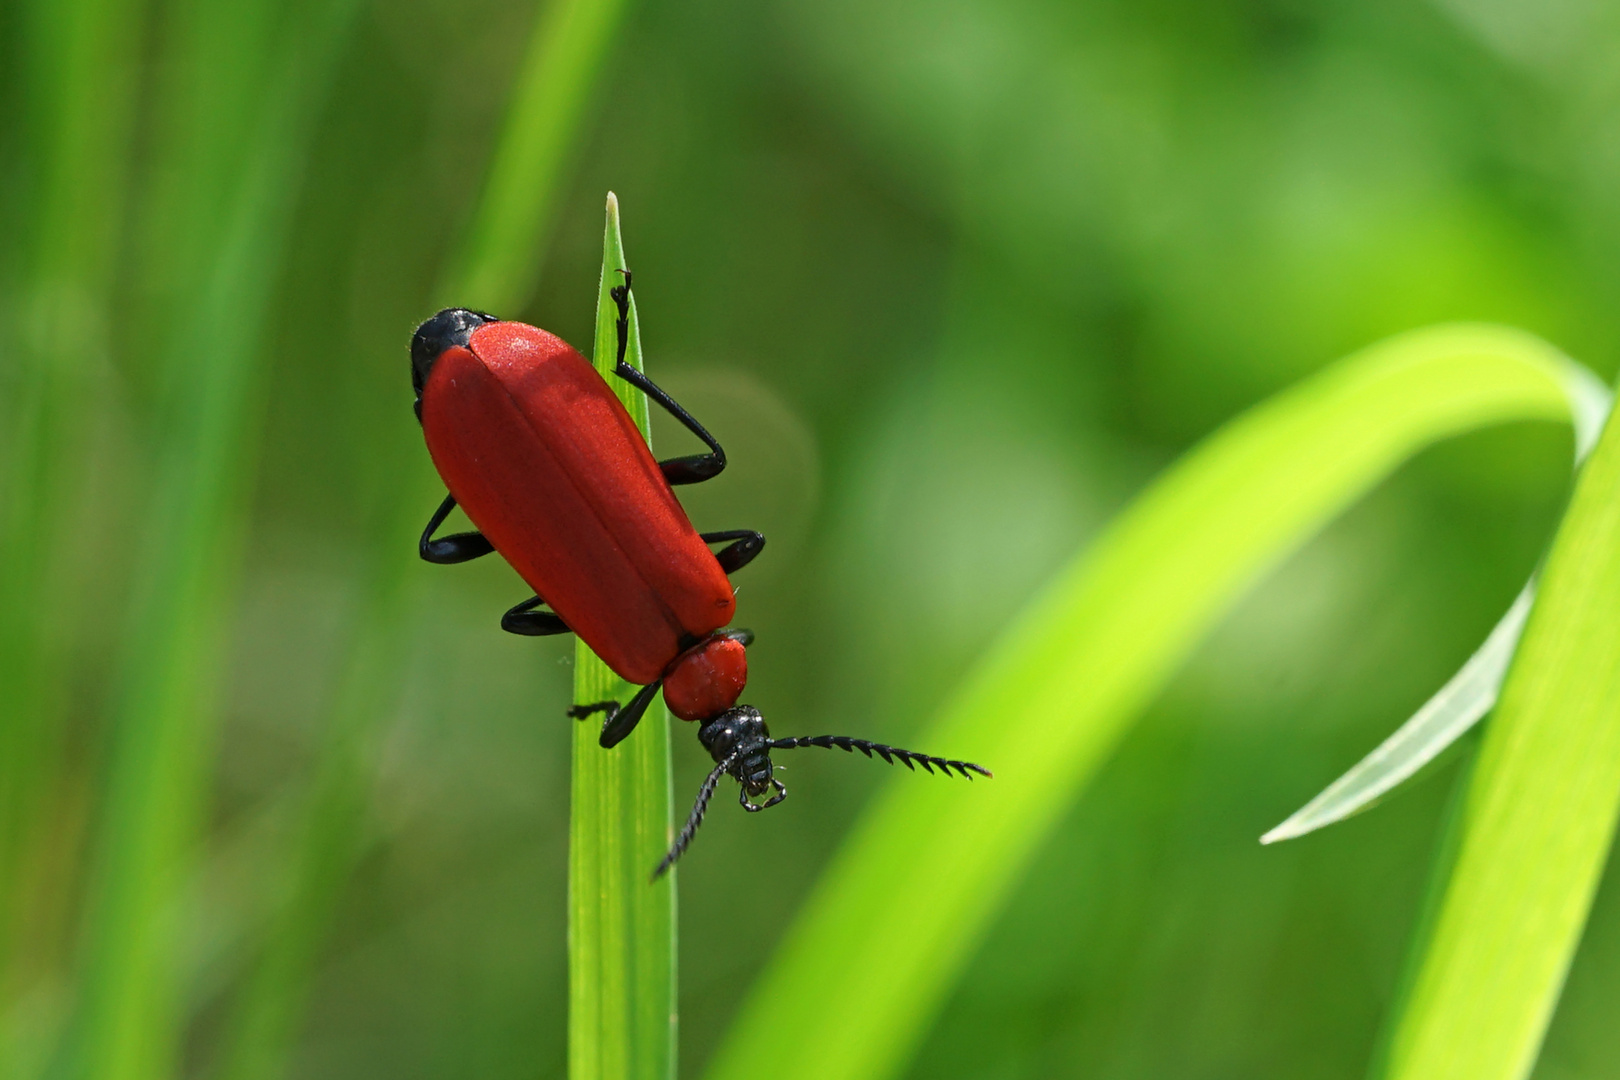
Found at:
[450, 327]
[740, 734]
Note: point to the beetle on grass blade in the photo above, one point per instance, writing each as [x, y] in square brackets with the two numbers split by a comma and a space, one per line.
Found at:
[543, 457]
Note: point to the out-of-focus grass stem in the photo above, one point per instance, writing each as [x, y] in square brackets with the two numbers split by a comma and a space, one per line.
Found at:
[130, 1024]
[499, 264]
[80, 76]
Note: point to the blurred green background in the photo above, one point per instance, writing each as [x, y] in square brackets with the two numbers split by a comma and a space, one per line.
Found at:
[951, 280]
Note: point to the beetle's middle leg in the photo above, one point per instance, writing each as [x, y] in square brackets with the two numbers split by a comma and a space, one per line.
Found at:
[523, 619]
[694, 468]
[457, 548]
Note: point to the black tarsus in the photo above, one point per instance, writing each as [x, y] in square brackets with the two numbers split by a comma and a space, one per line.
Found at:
[753, 807]
[523, 619]
[619, 722]
[734, 556]
[888, 753]
[695, 818]
[694, 468]
[456, 548]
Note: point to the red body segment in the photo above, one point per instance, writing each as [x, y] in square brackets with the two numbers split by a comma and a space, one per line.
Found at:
[547, 463]
[707, 679]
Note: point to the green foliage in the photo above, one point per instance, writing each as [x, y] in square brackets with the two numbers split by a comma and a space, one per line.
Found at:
[952, 283]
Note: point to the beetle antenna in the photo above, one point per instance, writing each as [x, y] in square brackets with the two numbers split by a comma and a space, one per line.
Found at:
[890, 754]
[695, 818]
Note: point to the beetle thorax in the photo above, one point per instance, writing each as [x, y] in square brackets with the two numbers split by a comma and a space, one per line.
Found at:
[707, 679]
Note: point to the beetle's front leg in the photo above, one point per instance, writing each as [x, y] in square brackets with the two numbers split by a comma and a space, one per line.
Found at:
[694, 468]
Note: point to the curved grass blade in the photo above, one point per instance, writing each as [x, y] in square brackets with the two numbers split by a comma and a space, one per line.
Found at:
[1467, 696]
[1536, 822]
[621, 929]
[879, 942]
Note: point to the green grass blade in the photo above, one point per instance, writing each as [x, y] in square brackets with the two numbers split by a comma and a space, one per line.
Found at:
[1466, 697]
[130, 1021]
[498, 269]
[621, 928]
[898, 912]
[1538, 818]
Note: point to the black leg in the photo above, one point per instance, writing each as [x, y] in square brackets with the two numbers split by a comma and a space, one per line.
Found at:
[457, 548]
[746, 544]
[619, 722]
[694, 468]
[523, 619]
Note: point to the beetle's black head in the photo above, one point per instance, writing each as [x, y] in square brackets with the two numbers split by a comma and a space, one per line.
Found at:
[450, 327]
[741, 731]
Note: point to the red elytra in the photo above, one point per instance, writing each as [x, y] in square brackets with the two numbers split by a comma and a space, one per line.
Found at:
[546, 461]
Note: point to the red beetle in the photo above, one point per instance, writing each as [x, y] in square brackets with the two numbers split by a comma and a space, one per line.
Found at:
[542, 456]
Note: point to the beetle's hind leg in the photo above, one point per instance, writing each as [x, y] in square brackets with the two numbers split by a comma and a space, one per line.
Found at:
[619, 723]
[734, 556]
[523, 619]
[694, 468]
